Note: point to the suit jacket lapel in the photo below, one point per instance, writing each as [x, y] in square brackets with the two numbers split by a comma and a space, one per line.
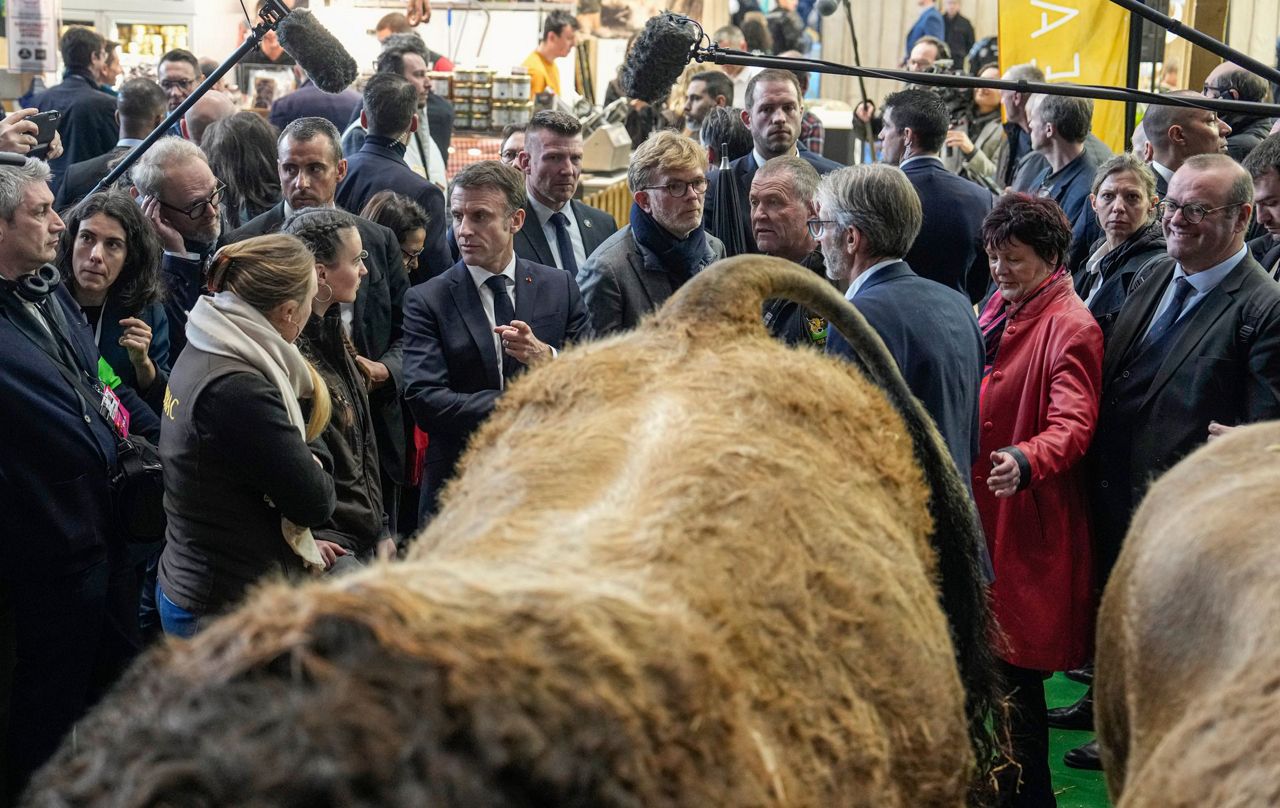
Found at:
[467, 300]
[1129, 329]
[590, 238]
[532, 230]
[527, 291]
[654, 282]
[1199, 322]
[884, 275]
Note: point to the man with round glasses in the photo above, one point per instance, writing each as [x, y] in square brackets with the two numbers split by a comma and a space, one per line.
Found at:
[636, 269]
[1195, 348]
[181, 198]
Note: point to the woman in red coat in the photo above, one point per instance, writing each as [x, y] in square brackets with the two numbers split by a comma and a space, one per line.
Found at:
[1038, 409]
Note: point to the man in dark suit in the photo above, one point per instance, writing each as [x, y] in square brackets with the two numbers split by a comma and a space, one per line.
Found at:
[1179, 133]
[1263, 164]
[389, 115]
[930, 329]
[87, 125]
[140, 107]
[949, 249]
[71, 613]
[773, 111]
[469, 331]
[558, 231]
[310, 166]
[309, 101]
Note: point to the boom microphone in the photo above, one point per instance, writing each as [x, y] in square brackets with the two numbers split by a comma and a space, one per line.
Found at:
[320, 56]
[661, 51]
[828, 7]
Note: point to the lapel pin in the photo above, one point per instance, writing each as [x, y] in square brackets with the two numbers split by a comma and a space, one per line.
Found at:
[528, 279]
[587, 223]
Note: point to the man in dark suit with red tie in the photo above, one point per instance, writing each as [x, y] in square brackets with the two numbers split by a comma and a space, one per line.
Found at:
[469, 331]
[1263, 164]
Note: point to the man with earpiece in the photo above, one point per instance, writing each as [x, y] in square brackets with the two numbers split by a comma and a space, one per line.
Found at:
[72, 621]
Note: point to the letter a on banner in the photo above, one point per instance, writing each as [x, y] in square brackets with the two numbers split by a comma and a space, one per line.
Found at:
[1072, 41]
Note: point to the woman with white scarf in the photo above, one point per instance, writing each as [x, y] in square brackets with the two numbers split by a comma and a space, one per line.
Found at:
[245, 475]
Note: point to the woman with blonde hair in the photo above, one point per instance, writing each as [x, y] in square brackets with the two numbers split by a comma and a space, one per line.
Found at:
[245, 476]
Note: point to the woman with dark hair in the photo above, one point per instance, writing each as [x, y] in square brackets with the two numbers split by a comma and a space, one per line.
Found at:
[406, 218]
[110, 258]
[1038, 409]
[242, 153]
[357, 524]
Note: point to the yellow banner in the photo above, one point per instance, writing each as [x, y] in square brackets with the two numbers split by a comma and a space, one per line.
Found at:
[1073, 42]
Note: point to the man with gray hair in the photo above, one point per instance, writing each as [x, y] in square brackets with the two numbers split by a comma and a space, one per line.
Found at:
[469, 331]
[868, 218]
[782, 201]
[1177, 134]
[180, 196]
[71, 600]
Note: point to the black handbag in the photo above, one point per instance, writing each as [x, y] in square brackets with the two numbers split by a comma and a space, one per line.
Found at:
[137, 490]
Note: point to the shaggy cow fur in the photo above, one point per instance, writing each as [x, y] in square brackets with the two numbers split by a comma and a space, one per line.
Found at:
[1188, 666]
[685, 566]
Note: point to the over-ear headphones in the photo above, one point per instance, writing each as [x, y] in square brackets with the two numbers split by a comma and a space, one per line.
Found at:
[35, 286]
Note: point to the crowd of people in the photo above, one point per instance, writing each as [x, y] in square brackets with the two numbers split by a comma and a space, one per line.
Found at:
[308, 329]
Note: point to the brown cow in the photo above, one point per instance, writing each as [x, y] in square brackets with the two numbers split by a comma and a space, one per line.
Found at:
[685, 566]
[1188, 664]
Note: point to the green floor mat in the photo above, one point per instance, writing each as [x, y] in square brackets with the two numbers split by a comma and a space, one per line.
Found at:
[1075, 788]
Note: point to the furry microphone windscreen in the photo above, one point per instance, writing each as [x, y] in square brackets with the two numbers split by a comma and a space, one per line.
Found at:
[661, 51]
[316, 51]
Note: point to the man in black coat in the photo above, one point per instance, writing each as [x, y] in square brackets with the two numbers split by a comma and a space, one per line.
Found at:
[140, 107]
[311, 166]
[558, 230]
[949, 248]
[87, 125]
[773, 112]
[71, 599]
[930, 329]
[469, 331]
[389, 116]
[1263, 164]
[1234, 83]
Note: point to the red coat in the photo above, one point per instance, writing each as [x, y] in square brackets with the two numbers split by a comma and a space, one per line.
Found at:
[1041, 397]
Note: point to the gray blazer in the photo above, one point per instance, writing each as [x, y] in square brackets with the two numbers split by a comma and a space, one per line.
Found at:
[622, 281]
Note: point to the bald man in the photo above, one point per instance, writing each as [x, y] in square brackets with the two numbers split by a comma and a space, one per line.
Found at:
[1177, 134]
[211, 107]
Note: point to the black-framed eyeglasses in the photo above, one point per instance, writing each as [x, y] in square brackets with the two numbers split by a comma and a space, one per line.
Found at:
[1222, 92]
[819, 226]
[1192, 212]
[510, 155]
[678, 188]
[177, 84]
[410, 257]
[196, 209]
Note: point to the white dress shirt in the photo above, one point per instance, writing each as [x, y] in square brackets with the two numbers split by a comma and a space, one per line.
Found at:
[544, 214]
[478, 276]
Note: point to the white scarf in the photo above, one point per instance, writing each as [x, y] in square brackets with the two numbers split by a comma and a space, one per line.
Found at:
[225, 325]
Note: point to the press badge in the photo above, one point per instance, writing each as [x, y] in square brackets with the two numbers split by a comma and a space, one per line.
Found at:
[115, 412]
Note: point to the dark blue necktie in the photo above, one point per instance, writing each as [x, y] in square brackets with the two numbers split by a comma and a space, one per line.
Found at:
[564, 243]
[1182, 289]
[503, 314]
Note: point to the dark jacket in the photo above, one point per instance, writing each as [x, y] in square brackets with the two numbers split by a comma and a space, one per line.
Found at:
[1266, 251]
[380, 166]
[1116, 272]
[623, 281]
[377, 329]
[184, 284]
[959, 39]
[55, 500]
[82, 177]
[451, 367]
[88, 124]
[949, 249]
[1247, 131]
[357, 521]
[115, 355]
[743, 170]
[932, 334]
[309, 101]
[1070, 188]
[794, 324]
[1221, 363]
[233, 466]
[531, 243]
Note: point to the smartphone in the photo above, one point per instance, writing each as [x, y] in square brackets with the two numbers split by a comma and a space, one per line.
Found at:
[48, 123]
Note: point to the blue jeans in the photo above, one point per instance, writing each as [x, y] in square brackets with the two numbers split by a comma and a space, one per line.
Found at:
[175, 620]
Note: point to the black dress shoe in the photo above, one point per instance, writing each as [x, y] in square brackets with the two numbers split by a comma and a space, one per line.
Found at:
[1084, 757]
[1078, 716]
[1083, 675]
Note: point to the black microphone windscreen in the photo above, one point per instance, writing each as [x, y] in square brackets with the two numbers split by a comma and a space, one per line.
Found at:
[320, 56]
[661, 51]
[828, 7]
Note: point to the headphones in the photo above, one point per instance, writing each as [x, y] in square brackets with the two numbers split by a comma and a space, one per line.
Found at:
[34, 286]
